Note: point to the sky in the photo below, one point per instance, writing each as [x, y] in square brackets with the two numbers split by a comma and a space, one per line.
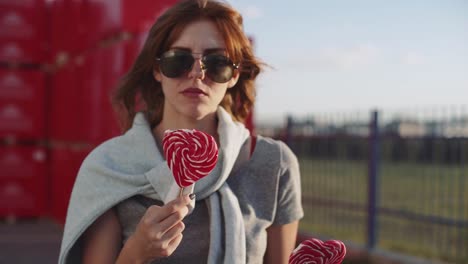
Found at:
[332, 55]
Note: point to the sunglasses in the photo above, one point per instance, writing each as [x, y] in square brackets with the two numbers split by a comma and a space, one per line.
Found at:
[175, 63]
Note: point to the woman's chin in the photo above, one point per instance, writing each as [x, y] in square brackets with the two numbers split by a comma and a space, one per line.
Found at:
[199, 113]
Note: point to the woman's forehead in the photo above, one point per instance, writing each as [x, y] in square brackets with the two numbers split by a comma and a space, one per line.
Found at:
[199, 36]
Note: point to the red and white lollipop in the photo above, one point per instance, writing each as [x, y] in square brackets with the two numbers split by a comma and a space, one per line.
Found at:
[315, 251]
[190, 154]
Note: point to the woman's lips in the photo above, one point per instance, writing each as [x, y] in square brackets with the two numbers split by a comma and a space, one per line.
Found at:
[193, 92]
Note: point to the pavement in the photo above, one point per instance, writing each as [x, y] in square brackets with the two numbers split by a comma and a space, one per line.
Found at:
[29, 241]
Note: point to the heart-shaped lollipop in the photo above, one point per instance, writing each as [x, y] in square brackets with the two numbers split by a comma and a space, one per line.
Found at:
[315, 251]
[190, 154]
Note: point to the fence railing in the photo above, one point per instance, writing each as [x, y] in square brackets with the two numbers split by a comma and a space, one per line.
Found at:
[396, 181]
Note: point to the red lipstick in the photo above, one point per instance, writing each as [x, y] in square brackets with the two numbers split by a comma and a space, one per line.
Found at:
[193, 92]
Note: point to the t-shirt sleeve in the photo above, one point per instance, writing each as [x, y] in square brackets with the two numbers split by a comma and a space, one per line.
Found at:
[289, 205]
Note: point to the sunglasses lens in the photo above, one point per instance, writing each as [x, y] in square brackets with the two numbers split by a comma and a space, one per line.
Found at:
[175, 63]
[219, 68]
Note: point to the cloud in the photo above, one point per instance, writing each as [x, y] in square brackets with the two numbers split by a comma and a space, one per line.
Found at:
[414, 58]
[251, 12]
[357, 56]
[338, 58]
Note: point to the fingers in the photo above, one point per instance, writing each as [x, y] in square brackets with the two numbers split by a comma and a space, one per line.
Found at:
[159, 232]
[173, 219]
[174, 232]
[160, 219]
[171, 247]
[175, 242]
[159, 214]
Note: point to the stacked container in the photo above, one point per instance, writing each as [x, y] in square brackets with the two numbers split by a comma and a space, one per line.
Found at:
[94, 43]
[60, 61]
[23, 97]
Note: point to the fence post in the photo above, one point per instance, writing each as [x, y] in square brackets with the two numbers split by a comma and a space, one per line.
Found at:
[373, 170]
[289, 126]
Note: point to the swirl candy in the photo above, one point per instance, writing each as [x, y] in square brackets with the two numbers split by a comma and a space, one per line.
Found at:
[314, 251]
[190, 154]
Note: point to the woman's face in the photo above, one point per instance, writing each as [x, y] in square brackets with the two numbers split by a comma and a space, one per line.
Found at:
[193, 95]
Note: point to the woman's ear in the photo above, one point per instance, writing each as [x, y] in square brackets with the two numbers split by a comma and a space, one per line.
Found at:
[234, 79]
[157, 75]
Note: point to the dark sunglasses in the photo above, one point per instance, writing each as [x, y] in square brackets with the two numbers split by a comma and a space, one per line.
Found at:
[175, 63]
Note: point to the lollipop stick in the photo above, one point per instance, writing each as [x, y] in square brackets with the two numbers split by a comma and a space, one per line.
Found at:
[181, 192]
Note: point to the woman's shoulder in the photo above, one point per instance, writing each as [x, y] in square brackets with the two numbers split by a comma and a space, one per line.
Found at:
[106, 148]
[135, 142]
[274, 151]
[117, 153]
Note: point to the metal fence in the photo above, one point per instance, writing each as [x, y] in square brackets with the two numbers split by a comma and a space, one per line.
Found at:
[391, 180]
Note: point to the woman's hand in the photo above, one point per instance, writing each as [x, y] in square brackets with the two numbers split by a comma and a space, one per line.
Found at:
[158, 233]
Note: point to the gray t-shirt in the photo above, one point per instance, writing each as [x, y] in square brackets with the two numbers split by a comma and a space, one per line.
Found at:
[267, 188]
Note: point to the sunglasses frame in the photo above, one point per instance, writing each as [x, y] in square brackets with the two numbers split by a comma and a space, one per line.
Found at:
[207, 71]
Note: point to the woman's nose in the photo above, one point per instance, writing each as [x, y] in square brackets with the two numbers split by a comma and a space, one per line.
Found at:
[198, 69]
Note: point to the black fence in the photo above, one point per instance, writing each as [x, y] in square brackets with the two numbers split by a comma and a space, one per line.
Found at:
[395, 181]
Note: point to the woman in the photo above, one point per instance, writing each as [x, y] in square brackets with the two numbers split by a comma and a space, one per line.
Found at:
[196, 71]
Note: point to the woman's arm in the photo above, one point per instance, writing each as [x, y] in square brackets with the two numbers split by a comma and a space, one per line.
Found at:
[157, 235]
[281, 240]
[102, 240]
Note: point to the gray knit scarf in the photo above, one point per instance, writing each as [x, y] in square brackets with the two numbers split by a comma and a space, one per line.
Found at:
[131, 164]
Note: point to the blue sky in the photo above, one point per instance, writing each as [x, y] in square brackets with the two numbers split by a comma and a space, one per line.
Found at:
[330, 55]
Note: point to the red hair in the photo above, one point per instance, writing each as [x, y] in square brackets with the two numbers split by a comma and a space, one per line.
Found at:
[238, 100]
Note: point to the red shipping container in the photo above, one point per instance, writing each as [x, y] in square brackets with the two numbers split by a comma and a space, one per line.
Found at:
[81, 108]
[140, 17]
[22, 104]
[104, 18]
[23, 181]
[65, 108]
[81, 25]
[69, 29]
[23, 31]
[65, 163]
[91, 118]
[133, 46]
[112, 77]
[21, 84]
[101, 72]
